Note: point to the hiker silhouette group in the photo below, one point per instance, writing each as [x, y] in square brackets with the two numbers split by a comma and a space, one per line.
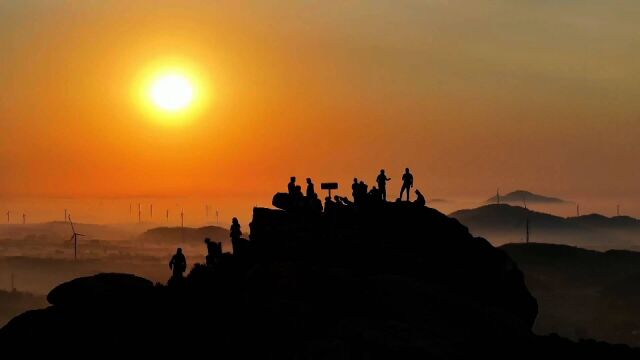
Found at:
[215, 255]
[295, 200]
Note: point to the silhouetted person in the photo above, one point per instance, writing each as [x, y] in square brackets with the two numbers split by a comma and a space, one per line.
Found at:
[329, 204]
[310, 188]
[314, 203]
[214, 251]
[361, 193]
[298, 197]
[420, 200]
[178, 264]
[292, 185]
[354, 188]
[235, 234]
[364, 188]
[374, 195]
[341, 200]
[382, 184]
[407, 183]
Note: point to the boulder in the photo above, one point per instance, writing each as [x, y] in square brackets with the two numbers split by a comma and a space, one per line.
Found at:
[100, 288]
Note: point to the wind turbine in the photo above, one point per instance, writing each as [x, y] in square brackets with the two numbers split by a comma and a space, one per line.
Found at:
[74, 238]
[182, 224]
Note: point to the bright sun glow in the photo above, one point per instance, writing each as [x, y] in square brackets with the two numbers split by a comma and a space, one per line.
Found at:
[172, 92]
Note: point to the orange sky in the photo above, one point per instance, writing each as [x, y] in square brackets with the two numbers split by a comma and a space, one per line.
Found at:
[471, 95]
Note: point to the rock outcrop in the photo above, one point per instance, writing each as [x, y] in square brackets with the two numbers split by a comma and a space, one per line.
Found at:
[379, 282]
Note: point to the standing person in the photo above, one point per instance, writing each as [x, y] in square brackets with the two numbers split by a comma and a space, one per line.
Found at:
[310, 189]
[407, 183]
[382, 184]
[178, 264]
[354, 188]
[292, 185]
[235, 234]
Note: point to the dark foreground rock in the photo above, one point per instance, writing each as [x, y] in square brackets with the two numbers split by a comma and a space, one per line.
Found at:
[382, 282]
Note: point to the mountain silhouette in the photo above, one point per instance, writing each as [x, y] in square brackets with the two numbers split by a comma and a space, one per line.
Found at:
[390, 281]
[186, 235]
[503, 223]
[520, 196]
[583, 293]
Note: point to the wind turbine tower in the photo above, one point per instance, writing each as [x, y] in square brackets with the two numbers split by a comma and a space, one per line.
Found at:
[139, 214]
[527, 230]
[8, 217]
[74, 238]
[498, 196]
[24, 218]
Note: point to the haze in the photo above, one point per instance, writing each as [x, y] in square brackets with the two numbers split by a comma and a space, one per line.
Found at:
[472, 95]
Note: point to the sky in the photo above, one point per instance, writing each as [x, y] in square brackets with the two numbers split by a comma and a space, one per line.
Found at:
[471, 95]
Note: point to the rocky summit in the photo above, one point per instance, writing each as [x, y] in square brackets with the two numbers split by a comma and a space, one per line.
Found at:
[386, 281]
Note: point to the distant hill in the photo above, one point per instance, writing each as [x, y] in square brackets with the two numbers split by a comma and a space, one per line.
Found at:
[187, 235]
[583, 293]
[520, 196]
[504, 223]
[506, 216]
[13, 303]
[61, 230]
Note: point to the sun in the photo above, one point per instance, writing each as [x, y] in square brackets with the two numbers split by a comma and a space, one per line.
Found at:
[172, 92]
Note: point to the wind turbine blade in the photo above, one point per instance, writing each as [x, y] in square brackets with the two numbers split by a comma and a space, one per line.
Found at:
[81, 235]
[72, 236]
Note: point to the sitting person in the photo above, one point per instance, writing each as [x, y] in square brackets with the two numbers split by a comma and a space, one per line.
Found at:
[341, 200]
[314, 204]
[375, 195]
[214, 251]
[420, 200]
[329, 204]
